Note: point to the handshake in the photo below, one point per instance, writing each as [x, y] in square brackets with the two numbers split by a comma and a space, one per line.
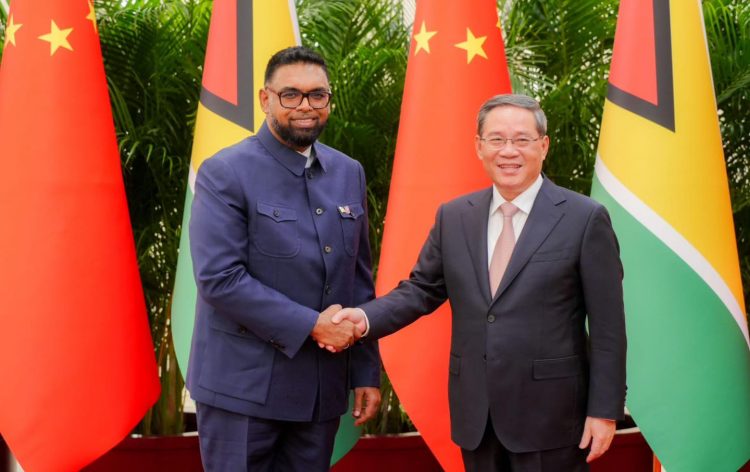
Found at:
[338, 328]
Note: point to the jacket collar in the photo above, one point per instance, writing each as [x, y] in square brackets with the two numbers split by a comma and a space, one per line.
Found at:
[287, 156]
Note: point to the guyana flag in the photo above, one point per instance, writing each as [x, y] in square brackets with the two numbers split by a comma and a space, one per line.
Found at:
[661, 173]
[77, 363]
[242, 37]
[456, 62]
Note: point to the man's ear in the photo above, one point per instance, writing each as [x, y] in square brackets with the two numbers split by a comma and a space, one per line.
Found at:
[545, 146]
[264, 100]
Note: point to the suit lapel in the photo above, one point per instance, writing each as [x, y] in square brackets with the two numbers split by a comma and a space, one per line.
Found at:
[544, 216]
[474, 221]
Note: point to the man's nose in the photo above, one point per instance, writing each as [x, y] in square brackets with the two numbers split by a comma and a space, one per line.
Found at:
[305, 104]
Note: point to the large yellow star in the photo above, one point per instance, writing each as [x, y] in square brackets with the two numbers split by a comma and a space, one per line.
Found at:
[10, 31]
[423, 39]
[92, 16]
[57, 38]
[473, 46]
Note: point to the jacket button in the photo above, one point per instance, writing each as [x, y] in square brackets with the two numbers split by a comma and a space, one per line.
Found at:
[318, 211]
[242, 330]
[491, 319]
[328, 289]
[328, 249]
[276, 213]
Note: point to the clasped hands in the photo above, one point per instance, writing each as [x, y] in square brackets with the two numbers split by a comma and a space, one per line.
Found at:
[338, 328]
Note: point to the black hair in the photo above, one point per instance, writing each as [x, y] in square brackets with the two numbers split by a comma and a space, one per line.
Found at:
[294, 55]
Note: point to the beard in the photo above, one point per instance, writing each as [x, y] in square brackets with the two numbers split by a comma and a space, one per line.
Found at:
[297, 137]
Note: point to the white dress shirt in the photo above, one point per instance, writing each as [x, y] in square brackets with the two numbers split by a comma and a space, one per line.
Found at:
[524, 202]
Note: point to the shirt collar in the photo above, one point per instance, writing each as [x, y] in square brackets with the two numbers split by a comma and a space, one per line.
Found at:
[524, 201]
[288, 157]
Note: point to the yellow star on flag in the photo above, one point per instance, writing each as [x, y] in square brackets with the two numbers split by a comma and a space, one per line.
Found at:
[10, 31]
[423, 39]
[92, 16]
[473, 46]
[57, 38]
[499, 25]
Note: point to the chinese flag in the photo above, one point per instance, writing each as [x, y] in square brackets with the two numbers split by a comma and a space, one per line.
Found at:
[456, 62]
[76, 360]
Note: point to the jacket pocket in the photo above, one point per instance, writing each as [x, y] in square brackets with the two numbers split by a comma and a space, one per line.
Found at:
[351, 225]
[237, 363]
[558, 367]
[276, 233]
[554, 255]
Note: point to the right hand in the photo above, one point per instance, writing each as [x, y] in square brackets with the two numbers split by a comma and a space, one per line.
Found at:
[333, 336]
[355, 315]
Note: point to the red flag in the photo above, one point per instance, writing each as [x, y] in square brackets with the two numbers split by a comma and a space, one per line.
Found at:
[456, 62]
[76, 360]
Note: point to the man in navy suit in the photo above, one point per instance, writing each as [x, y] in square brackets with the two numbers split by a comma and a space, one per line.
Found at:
[525, 265]
[278, 232]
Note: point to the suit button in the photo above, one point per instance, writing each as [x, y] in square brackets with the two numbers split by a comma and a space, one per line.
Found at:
[242, 330]
[484, 357]
[328, 249]
[491, 319]
[318, 211]
[276, 213]
[328, 289]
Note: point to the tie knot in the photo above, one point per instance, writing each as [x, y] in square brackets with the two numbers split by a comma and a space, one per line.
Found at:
[508, 209]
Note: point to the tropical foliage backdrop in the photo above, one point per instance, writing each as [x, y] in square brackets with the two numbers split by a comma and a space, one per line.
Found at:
[558, 51]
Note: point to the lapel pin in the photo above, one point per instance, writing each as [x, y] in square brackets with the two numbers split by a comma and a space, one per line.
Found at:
[344, 210]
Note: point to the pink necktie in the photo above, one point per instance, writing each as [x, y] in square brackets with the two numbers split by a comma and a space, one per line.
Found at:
[503, 247]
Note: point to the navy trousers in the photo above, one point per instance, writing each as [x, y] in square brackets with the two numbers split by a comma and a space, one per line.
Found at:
[234, 442]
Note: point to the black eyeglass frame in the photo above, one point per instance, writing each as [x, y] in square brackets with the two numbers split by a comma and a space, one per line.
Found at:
[302, 96]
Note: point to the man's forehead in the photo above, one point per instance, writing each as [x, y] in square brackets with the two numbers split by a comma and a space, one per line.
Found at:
[300, 73]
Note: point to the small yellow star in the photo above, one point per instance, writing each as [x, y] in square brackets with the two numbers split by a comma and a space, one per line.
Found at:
[92, 16]
[423, 39]
[57, 38]
[499, 25]
[10, 31]
[473, 46]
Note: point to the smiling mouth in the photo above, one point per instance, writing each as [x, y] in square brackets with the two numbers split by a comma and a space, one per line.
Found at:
[305, 122]
[510, 166]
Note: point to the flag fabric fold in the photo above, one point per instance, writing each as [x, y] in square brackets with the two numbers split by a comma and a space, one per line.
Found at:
[661, 173]
[456, 62]
[76, 356]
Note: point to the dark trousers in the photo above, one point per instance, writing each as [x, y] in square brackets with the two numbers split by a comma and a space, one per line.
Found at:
[234, 442]
[491, 456]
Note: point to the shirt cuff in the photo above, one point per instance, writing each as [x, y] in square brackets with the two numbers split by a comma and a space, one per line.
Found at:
[367, 322]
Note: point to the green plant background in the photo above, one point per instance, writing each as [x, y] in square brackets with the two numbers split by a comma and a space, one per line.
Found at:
[558, 51]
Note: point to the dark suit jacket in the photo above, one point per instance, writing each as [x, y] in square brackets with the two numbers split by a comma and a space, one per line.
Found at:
[272, 245]
[523, 357]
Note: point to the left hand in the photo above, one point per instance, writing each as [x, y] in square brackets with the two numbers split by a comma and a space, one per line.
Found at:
[367, 398]
[599, 433]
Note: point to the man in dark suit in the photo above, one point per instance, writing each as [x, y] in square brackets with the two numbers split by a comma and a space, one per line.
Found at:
[524, 265]
[278, 232]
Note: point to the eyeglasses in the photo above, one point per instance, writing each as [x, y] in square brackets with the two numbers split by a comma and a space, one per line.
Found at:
[497, 143]
[292, 98]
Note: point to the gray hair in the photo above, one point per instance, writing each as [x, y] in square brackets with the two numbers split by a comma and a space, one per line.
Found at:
[513, 100]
